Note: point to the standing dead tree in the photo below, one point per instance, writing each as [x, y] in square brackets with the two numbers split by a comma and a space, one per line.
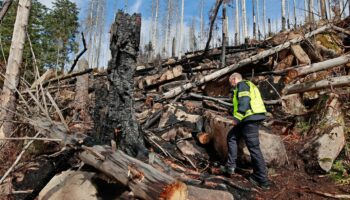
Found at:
[121, 124]
[8, 97]
[244, 20]
[237, 35]
[212, 22]
[283, 15]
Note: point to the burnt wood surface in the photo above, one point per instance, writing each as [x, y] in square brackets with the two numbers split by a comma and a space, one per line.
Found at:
[121, 124]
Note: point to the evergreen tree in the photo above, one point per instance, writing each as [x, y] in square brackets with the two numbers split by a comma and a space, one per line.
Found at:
[52, 33]
[62, 25]
[35, 30]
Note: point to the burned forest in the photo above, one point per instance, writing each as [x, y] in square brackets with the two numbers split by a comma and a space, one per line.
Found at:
[154, 122]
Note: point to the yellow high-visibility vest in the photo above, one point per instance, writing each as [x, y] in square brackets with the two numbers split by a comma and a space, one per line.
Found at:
[256, 102]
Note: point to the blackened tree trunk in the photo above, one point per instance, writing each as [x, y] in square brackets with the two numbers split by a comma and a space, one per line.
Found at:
[121, 122]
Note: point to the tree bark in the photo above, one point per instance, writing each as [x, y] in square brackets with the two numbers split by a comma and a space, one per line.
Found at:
[295, 14]
[323, 9]
[144, 181]
[181, 28]
[231, 68]
[269, 28]
[5, 7]
[254, 19]
[299, 52]
[244, 20]
[264, 18]
[224, 36]
[212, 22]
[322, 65]
[8, 97]
[283, 15]
[121, 124]
[310, 86]
[236, 24]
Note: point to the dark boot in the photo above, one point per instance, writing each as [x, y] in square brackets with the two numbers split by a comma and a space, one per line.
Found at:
[227, 170]
[262, 185]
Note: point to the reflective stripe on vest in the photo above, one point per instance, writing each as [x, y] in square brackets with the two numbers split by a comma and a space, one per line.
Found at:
[256, 103]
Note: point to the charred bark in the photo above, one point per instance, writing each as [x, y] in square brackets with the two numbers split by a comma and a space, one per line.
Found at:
[121, 124]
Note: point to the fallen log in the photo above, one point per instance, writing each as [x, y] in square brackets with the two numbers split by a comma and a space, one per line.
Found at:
[341, 30]
[64, 77]
[320, 66]
[49, 74]
[145, 181]
[300, 54]
[310, 86]
[176, 91]
[211, 98]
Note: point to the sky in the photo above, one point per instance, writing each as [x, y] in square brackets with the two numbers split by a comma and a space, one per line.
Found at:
[191, 12]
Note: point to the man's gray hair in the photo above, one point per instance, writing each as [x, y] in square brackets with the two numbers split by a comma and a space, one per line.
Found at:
[236, 75]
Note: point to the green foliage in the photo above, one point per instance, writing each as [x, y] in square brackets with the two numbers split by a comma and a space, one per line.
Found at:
[302, 127]
[340, 172]
[62, 24]
[48, 31]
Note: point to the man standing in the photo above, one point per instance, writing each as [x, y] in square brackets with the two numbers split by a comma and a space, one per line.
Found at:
[248, 112]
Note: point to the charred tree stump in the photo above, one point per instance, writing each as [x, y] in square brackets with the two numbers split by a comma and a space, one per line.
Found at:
[121, 123]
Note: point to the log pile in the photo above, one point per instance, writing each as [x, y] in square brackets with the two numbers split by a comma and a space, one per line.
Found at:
[159, 131]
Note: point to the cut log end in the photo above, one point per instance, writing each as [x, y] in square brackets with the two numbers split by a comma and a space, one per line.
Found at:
[203, 138]
[174, 191]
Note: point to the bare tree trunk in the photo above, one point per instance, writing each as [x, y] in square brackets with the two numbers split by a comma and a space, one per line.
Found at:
[244, 18]
[202, 25]
[173, 49]
[166, 43]
[341, 4]
[295, 14]
[155, 32]
[8, 97]
[237, 35]
[212, 22]
[264, 17]
[288, 15]
[224, 35]
[329, 9]
[311, 11]
[269, 28]
[323, 9]
[306, 9]
[283, 15]
[258, 18]
[181, 27]
[336, 9]
[254, 20]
